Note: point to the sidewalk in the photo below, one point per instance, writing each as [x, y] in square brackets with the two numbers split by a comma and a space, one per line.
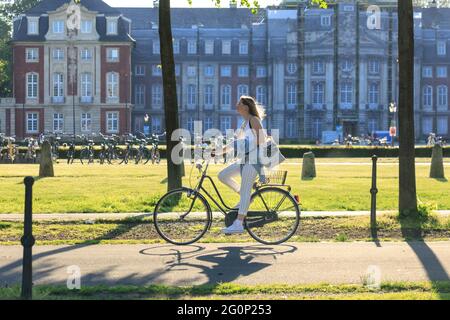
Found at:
[121, 216]
[249, 264]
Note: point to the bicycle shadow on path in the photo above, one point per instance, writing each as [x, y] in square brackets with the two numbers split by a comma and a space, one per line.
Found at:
[224, 264]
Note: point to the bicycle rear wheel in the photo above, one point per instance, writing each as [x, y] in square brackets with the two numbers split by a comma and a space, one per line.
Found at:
[182, 216]
[273, 216]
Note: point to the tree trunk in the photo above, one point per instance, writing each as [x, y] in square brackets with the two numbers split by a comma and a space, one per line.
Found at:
[170, 97]
[407, 173]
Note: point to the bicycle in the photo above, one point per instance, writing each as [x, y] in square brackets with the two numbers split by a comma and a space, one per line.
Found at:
[155, 154]
[31, 154]
[183, 216]
[87, 153]
[71, 152]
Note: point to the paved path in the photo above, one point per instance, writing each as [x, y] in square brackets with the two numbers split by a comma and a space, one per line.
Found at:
[120, 216]
[240, 263]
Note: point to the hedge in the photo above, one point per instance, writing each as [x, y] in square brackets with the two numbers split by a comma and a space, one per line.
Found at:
[297, 151]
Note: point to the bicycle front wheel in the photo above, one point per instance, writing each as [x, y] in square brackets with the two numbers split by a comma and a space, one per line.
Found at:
[273, 216]
[182, 216]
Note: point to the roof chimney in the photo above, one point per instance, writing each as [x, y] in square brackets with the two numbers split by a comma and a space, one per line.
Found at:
[155, 3]
[233, 4]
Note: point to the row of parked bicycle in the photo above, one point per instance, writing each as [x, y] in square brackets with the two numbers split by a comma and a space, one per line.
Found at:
[110, 149]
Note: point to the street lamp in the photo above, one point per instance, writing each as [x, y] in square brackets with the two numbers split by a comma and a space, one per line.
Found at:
[392, 129]
[199, 25]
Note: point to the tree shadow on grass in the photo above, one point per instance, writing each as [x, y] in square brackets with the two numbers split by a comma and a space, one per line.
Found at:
[413, 231]
[441, 179]
[13, 269]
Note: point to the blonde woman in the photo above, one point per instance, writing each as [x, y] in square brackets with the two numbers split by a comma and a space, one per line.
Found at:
[252, 133]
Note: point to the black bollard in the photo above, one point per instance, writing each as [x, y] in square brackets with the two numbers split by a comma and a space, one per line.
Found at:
[27, 241]
[374, 191]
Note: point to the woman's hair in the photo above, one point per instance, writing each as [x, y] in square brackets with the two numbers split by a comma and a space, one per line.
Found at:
[254, 108]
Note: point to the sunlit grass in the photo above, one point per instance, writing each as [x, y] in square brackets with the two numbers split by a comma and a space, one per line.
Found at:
[137, 188]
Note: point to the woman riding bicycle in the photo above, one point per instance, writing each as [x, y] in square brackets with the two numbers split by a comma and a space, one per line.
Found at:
[250, 136]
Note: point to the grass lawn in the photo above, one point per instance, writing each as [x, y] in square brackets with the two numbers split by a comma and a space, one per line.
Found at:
[386, 291]
[342, 184]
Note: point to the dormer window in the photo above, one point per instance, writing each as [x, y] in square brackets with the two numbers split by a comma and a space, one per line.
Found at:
[111, 26]
[58, 26]
[86, 26]
[33, 25]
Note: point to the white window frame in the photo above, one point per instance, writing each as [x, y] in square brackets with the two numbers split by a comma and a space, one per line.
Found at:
[427, 125]
[318, 93]
[209, 71]
[112, 85]
[228, 70]
[156, 47]
[34, 83]
[346, 94]
[208, 123]
[209, 47]
[140, 70]
[427, 99]
[325, 20]
[139, 95]
[225, 123]
[33, 119]
[156, 124]
[261, 95]
[86, 26]
[225, 96]
[291, 95]
[442, 96]
[157, 96]
[58, 26]
[86, 54]
[191, 71]
[58, 85]
[191, 96]
[242, 90]
[441, 123]
[243, 71]
[441, 48]
[58, 122]
[192, 47]
[427, 72]
[110, 57]
[441, 71]
[374, 66]
[112, 121]
[226, 47]
[86, 85]
[243, 47]
[291, 127]
[318, 67]
[32, 55]
[291, 67]
[374, 95]
[58, 54]
[208, 96]
[176, 46]
[33, 21]
[261, 71]
[111, 26]
[86, 122]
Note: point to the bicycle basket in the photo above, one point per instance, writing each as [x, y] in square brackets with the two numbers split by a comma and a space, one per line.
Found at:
[276, 177]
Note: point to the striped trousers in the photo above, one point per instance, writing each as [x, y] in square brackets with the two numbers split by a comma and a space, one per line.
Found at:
[245, 188]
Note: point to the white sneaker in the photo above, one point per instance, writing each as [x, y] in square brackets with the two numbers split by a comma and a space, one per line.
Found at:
[236, 228]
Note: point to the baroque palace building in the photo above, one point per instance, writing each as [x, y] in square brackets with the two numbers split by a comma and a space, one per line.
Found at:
[315, 70]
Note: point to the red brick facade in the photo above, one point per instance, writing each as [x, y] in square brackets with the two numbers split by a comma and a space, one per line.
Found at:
[22, 67]
[21, 118]
[122, 67]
